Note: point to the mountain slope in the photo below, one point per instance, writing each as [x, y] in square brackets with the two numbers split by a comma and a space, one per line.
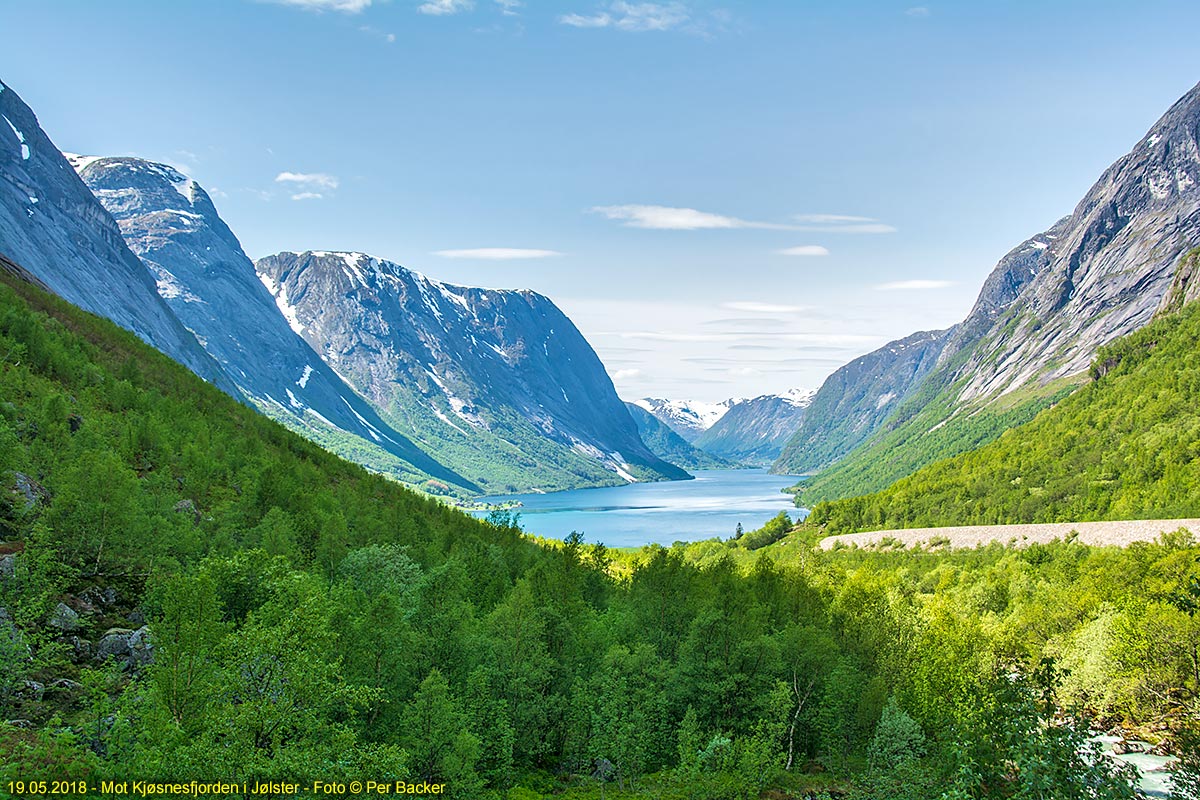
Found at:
[55, 229]
[669, 445]
[170, 222]
[855, 400]
[498, 384]
[1048, 306]
[754, 431]
[688, 418]
[1123, 447]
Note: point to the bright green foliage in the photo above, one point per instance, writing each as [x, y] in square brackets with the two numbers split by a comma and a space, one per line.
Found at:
[1127, 446]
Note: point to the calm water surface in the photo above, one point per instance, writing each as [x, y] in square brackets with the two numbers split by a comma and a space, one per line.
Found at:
[666, 512]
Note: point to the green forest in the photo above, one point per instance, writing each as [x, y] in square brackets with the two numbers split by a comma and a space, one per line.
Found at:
[191, 592]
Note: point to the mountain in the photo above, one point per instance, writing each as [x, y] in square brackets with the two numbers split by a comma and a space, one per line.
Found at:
[169, 221]
[1122, 447]
[1049, 305]
[498, 384]
[856, 399]
[754, 431]
[53, 227]
[669, 445]
[688, 418]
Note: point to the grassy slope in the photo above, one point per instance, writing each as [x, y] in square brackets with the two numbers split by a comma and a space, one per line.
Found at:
[1126, 446]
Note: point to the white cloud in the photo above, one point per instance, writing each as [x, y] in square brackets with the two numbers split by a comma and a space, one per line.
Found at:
[666, 218]
[804, 250]
[913, 285]
[625, 374]
[917, 11]
[497, 253]
[308, 196]
[439, 8]
[345, 6]
[841, 223]
[762, 308]
[634, 17]
[320, 180]
[509, 7]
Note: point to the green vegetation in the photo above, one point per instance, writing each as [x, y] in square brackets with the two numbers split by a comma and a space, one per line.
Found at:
[1127, 446]
[305, 619]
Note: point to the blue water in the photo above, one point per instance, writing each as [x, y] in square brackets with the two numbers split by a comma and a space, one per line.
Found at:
[643, 513]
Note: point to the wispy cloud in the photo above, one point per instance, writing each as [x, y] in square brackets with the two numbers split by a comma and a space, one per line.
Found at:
[625, 374]
[345, 6]
[762, 308]
[804, 250]
[307, 196]
[308, 180]
[666, 218]
[841, 223]
[634, 17]
[497, 253]
[440, 8]
[509, 7]
[913, 285]
[917, 11]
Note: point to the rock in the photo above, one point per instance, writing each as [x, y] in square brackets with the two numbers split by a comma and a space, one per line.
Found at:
[66, 684]
[1163, 748]
[141, 648]
[31, 492]
[114, 644]
[96, 597]
[63, 618]
[8, 566]
[33, 691]
[1126, 746]
[187, 507]
[605, 770]
[136, 617]
[22, 724]
[82, 649]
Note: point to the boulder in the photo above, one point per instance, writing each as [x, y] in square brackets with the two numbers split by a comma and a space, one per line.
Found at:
[8, 566]
[32, 493]
[63, 618]
[132, 649]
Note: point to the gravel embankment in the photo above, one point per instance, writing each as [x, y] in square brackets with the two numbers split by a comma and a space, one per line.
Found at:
[1096, 533]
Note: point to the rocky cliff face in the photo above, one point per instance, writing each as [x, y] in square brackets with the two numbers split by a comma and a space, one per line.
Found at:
[1101, 272]
[1096, 275]
[754, 431]
[856, 399]
[53, 227]
[497, 383]
[170, 222]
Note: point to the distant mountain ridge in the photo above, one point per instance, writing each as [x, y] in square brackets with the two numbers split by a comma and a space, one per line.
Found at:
[670, 446]
[755, 431]
[1050, 303]
[688, 418]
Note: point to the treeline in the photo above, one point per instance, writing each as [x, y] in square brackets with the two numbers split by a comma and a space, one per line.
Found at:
[192, 592]
[1126, 446]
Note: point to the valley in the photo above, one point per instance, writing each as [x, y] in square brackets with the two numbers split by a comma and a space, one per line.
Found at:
[499, 469]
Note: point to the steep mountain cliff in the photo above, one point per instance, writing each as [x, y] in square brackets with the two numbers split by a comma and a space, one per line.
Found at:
[754, 431]
[53, 227]
[170, 222]
[855, 400]
[1100, 273]
[498, 384]
[669, 445]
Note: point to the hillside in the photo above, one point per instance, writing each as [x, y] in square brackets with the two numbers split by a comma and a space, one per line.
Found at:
[1124, 446]
[1099, 273]
[754, 431]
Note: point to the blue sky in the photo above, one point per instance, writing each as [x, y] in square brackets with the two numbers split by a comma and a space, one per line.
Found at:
[728, 198]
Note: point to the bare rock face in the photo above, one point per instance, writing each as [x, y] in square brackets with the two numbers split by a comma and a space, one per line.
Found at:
[498, 381]
[1100, 273]
[201, 272]
[53, 228]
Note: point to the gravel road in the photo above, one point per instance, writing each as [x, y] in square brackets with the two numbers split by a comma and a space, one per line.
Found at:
[1097, 533]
